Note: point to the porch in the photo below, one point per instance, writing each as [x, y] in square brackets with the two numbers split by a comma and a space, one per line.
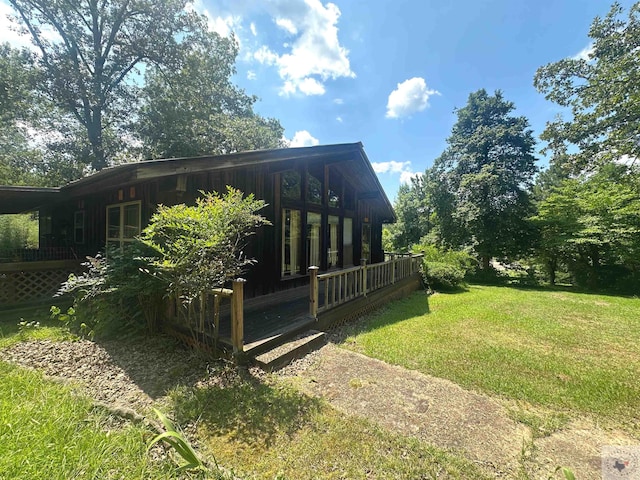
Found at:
[250, 327]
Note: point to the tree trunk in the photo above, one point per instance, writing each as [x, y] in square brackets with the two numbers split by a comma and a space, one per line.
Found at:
[485, 262]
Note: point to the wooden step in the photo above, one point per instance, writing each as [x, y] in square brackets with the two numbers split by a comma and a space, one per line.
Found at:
[296, 348]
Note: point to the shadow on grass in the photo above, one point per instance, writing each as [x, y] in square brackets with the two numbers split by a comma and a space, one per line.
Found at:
[247, 410]
[415, 305]
[559, 288]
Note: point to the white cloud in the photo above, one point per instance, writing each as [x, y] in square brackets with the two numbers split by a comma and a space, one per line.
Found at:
[393, 167]
[338, 101]
[287, 25]
[407, 175]
[315, 54]
[585, 53]
[303, 138]
[390, 167]
[252, 27]
[251, 75]
[339, 119]
[409, 97]
[222, 25]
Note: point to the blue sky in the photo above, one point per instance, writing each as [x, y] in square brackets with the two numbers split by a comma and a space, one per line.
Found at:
[390, 73]
[328, 70]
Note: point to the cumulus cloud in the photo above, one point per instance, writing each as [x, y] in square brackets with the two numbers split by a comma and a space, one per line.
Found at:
[252, 27]
[390, 167]
[393, 168]
[16, 38]
[251, 75]
[585, 53]
[407, 175]
[303, 138]
[339, 119]
[409, 97]
[314, 55]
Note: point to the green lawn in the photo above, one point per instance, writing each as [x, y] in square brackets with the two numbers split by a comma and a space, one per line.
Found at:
[572, 352]
[259, 429]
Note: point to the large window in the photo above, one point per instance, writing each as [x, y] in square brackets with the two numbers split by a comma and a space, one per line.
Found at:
[347, 242]
[123, 223]
[290, 241]
[314, 222]
[332, 252]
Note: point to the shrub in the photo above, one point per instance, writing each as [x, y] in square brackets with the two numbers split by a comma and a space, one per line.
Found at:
[445, 268]
[17, 232]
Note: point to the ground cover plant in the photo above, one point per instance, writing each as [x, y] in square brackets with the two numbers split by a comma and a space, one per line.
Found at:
[571, 353]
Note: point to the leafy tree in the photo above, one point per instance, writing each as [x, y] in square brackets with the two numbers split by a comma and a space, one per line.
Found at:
[480, 184]
[196, 110]
[602, 93]
[412, 212]
[91, 53]
[592, 226]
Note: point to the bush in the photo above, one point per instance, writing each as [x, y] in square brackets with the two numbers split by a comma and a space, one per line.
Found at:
[445, 268]
[17, 232]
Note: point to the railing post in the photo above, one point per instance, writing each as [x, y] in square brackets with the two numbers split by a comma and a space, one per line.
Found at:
[237, 316]
[393, 271]
[363, 263]
[313, 291]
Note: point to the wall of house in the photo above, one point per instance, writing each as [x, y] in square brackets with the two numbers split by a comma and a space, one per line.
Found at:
[264, 181]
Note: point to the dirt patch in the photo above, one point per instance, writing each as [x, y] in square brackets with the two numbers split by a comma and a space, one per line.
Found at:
[432, 409]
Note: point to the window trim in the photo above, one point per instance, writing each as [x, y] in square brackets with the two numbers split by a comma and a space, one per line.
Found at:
[121, 240]
[79, 215]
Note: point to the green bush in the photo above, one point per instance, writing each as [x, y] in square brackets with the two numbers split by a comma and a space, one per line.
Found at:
[445, 268]
[17, 232]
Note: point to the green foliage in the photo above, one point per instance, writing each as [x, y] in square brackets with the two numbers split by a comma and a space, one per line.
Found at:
[17, 232]
[413, 215]
[121, 293]
[199, 248]
[196, 110]
[179, 443]
[444, 269]
[479, 186]
[601, 91]
[591, 226]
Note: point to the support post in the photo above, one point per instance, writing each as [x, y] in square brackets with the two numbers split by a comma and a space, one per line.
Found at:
[313, 291]
[393, 271]
[237, 316]
[363, 263]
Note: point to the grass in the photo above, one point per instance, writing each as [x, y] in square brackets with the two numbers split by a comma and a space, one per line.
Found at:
[258, 429]
[47, 431]
[570, 352]
[270, 430]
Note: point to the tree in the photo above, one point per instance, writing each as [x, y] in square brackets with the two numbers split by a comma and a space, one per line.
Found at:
[91, 53]
[481, 182]
[591, 225]
[602, 93]
[196, 110]
[412, 212]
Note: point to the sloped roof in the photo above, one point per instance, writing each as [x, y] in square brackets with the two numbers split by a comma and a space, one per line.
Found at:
[351, 156]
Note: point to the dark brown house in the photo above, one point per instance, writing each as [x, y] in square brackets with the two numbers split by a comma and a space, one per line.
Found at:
[326, 205]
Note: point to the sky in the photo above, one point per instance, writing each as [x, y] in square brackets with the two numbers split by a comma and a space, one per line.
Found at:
[390, 73]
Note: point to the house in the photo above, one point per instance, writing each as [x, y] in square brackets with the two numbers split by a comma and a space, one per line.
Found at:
[325, 204]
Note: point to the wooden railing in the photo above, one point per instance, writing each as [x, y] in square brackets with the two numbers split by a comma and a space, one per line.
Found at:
[329, 290]
[202, 317]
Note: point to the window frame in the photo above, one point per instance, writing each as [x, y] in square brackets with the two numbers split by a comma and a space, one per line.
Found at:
[79, 226]
[121, 240]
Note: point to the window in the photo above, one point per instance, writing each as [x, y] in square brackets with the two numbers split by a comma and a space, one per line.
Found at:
[314, 222]
[290, 183]
[290, 242]
[332, 251]
[366, 242]
[314, 189]
[78, 227]
[123, 223]
[347, 242]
